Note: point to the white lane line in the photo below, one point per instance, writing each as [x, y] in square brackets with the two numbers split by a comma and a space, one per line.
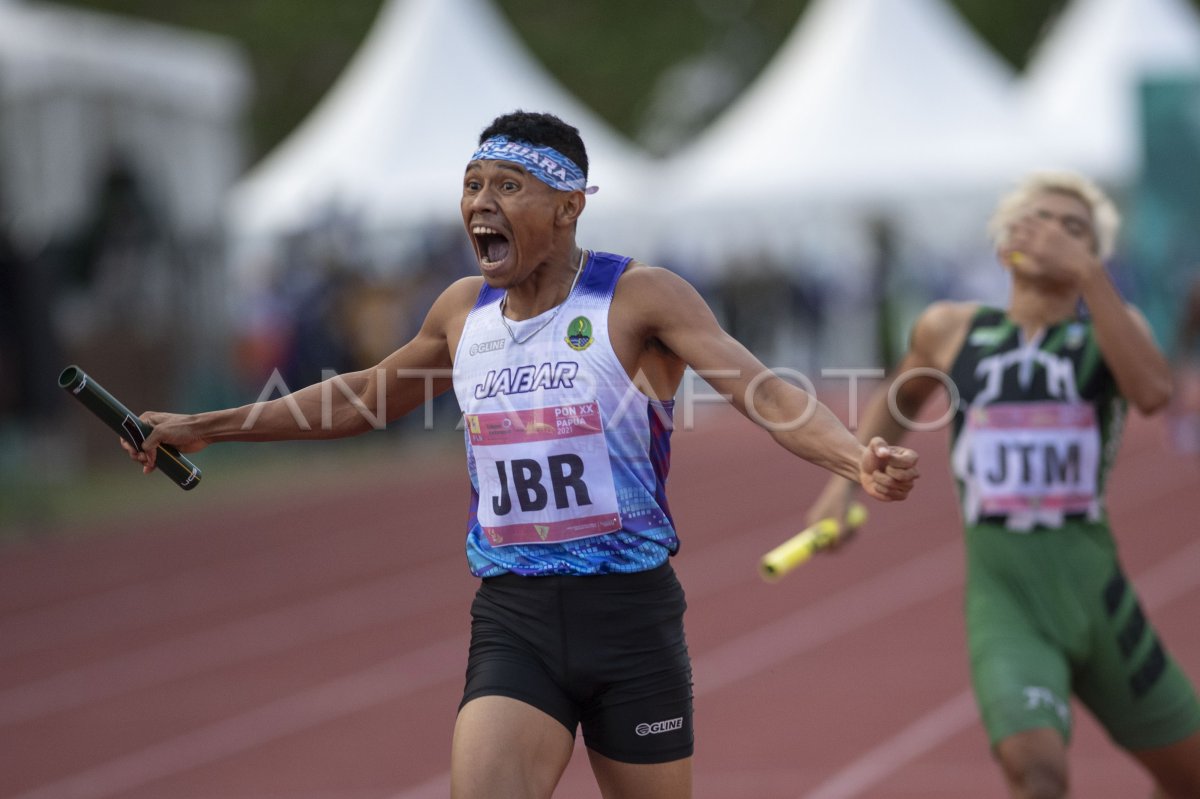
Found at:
[879, 763]
[378, 602]
[1171, 578]
[202, 589]
[864, 603]
[390, 598]
[918, 579]
[311, 708]
[384, 682]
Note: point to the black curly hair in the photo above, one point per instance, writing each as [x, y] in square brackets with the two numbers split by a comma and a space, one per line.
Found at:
[542, 129]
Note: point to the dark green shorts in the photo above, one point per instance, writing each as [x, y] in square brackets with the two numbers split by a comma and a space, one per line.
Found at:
[1050, 614]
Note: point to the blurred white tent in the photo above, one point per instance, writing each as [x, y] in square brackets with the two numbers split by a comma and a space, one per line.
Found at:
[80, 91]
[870, 105]
[1081, 86]
[389, 143]
[119, 140]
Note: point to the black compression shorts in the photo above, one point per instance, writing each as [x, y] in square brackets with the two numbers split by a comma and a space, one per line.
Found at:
[604, 652]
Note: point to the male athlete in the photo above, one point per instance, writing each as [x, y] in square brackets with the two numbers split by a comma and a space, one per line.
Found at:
[565, 362]
[1043, 387]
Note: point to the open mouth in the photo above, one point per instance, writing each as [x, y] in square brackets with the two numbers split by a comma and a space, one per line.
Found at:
[492, 245]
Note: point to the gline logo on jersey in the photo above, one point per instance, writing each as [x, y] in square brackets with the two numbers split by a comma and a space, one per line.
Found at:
[486, 346]
[659, 727]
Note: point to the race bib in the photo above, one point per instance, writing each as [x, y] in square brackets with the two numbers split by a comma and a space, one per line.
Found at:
[1031, 456]
[544, 474]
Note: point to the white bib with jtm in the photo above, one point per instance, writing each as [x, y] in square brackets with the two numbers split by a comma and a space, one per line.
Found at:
[1033, 457]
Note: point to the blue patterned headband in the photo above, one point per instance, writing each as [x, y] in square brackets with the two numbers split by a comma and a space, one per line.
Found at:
[544, 163]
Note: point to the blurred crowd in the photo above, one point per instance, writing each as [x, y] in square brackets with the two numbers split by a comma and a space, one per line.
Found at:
[114, 297]
[111, 297]
[325, 304]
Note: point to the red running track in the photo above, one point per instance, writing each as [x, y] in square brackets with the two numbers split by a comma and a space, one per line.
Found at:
[312, 646]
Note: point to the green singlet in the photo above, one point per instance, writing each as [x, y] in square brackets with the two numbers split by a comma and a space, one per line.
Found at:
[1049, 611]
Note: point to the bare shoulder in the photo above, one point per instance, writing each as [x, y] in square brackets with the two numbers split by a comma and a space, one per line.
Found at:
[457, 298]
[654, 286]
[652, 300]
[449, 311]
[435, 342]
[638, 273]
[465, 290]
[946, 317]
[939, 332]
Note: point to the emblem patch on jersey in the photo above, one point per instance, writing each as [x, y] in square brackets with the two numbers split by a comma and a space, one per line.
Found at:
[579, 333]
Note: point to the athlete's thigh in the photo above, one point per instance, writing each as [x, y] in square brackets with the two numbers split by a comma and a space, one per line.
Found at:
[1022, 680]
[506, 749]
[617, 780]
[1130, 682]
[639, 710]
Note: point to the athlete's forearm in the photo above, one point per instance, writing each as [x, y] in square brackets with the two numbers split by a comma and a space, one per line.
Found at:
[334, 408]
[1141, 370]
[824, 441]
[804, 426]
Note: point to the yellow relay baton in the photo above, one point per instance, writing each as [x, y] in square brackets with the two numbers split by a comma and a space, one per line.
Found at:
[803, 545]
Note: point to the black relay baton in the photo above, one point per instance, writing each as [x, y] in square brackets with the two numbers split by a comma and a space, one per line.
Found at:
[122, 420]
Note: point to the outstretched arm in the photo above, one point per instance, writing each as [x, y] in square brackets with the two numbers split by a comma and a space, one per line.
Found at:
[340, 406]
[679, 318]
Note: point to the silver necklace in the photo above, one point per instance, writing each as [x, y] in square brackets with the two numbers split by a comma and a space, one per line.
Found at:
[559, 307]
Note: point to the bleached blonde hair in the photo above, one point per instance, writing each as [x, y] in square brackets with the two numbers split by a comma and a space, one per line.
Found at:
[1106, 220]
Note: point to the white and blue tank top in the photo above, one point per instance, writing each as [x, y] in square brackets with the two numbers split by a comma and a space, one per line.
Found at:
[567, 458]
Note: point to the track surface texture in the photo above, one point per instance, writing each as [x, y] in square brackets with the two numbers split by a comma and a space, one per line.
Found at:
[311, 645]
